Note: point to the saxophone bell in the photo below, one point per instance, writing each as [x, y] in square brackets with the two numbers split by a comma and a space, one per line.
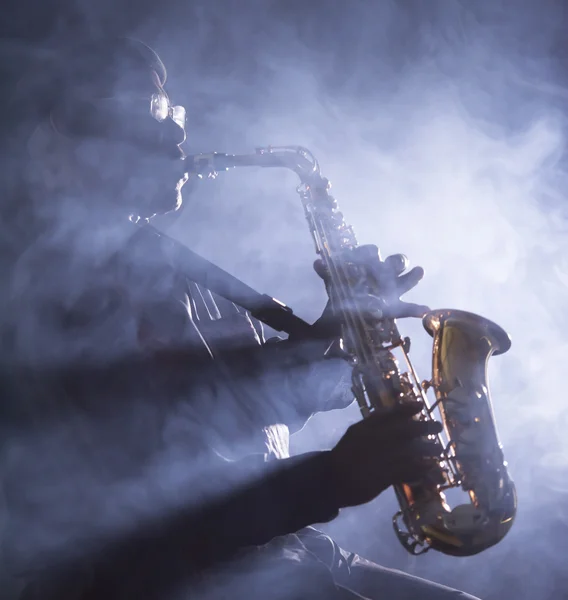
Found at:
[462, 345]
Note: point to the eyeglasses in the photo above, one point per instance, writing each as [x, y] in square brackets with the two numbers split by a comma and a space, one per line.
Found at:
[160, 106]
[116, 117]
[161, 109]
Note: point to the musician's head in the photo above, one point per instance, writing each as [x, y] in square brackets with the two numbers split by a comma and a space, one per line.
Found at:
[111, 137]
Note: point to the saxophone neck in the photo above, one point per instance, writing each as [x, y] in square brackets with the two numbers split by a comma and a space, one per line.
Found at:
[295, 158]
[331, 233]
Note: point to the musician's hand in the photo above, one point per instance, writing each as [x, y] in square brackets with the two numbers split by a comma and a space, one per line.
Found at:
[388, 275]
[380, 451]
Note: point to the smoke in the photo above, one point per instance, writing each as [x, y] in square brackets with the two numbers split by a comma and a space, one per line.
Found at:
[442, 128]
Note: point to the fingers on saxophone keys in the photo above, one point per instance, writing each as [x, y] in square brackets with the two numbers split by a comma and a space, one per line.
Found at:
[420, 462]
[419, 471]
[426, 450]
[407, 309]
[409, 280]
[398, 423]
[410, 430]
[324, 272]
[400, 412]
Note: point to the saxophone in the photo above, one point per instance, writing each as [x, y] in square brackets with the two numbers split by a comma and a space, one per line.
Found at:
[471, 456]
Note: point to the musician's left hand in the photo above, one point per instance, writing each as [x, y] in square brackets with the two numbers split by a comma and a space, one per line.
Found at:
[327, 384]
[391, 278]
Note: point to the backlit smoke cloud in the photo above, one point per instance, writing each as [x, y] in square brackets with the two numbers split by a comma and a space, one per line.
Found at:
[443, 135]
[442, 128]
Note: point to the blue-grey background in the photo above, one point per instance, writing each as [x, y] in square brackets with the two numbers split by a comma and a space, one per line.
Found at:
[442, 126]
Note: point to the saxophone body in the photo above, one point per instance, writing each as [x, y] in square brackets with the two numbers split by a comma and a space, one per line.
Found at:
[471, 459]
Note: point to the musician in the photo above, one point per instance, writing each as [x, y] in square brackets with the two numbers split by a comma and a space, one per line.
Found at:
[148, 418]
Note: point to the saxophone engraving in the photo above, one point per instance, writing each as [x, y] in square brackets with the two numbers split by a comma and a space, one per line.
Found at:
[471, 458]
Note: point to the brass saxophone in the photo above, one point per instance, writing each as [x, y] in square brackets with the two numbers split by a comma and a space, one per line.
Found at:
[471, 456]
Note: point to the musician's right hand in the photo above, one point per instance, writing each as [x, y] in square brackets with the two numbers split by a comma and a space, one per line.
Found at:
[380, 451]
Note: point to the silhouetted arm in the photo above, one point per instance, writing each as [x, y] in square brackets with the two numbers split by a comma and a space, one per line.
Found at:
[162, 556]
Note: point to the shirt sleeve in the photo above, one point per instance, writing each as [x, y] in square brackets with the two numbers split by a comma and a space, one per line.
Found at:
[295, 493]
[169, 552]
[280, 498]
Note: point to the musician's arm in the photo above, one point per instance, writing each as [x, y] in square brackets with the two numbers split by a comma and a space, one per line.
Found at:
[293, 494]
[297, 493]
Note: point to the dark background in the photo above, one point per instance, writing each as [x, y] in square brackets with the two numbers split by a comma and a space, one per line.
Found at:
[442, 126]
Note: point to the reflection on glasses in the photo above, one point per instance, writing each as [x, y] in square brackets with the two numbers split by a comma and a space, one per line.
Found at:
[161, 109]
